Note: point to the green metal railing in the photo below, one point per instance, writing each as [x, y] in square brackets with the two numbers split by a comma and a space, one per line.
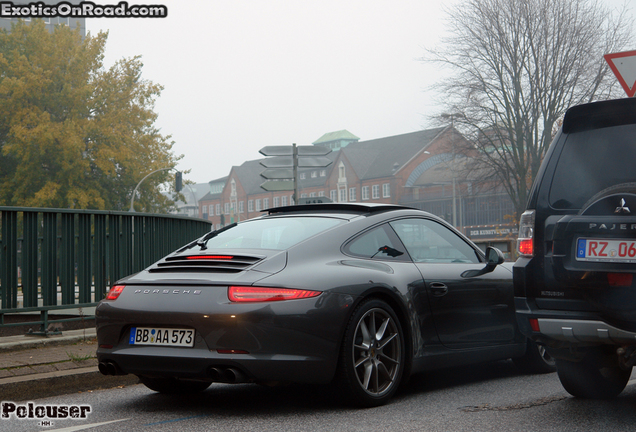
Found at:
[56, 259]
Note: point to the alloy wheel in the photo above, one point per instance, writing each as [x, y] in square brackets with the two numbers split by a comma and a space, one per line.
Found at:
[377, 353]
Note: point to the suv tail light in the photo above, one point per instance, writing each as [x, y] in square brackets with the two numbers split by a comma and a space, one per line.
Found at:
[526, 232]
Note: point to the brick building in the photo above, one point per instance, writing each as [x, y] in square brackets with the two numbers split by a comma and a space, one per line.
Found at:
[417, 169]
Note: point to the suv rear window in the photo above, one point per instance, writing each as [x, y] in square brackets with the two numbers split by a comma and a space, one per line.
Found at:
[591, 161]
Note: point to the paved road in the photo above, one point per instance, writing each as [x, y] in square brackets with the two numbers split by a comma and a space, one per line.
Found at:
[491, 397]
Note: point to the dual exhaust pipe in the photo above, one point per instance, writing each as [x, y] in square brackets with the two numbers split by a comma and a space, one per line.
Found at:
[109, 368]
[227, 375]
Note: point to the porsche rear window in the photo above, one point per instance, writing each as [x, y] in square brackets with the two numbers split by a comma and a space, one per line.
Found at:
[592, 161]
[274, 233]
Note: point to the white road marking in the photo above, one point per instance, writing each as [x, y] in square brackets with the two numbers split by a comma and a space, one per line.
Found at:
[86, 426]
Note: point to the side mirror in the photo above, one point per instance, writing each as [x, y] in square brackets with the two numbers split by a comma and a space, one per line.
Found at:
[494, 257]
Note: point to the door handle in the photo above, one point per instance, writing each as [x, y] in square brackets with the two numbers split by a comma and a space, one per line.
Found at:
[438, 289]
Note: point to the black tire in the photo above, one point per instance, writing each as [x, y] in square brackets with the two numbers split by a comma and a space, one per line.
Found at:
[536, 360]
[372, 358]
[593, 378]
[173, 385]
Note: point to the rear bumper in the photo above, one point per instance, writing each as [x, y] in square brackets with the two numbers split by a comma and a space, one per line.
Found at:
[203, 364]
[585, 332]
[294, 341]
[560, 328]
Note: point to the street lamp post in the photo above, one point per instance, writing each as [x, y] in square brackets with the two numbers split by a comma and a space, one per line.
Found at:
[132, 198]
[452, 118]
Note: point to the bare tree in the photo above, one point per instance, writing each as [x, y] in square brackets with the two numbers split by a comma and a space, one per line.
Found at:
[516, 67]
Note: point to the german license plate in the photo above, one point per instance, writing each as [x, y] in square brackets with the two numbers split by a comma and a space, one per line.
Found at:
[602, 250]
[161, 336]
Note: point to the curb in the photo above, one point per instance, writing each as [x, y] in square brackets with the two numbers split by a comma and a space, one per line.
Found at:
[61, 382]
[29, 342]
[50, 384]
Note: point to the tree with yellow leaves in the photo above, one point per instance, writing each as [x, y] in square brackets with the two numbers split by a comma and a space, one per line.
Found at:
[73, 134]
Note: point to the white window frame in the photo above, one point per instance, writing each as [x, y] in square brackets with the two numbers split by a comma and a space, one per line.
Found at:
[375, 191]
[386, 190]
[352, 194]
[342, 171]
[365, 193]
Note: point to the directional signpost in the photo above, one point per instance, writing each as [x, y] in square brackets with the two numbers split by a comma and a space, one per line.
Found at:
[278, 185]
[278, 173]
[282, 166]
[623, 65]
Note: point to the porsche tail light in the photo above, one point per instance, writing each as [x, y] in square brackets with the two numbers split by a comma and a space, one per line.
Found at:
[262, 294]
[114, 292]
[526, 233]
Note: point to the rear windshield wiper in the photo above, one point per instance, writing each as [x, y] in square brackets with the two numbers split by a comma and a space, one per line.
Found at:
[203, 240]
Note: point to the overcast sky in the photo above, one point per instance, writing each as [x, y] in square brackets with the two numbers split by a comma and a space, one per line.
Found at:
[239, 75]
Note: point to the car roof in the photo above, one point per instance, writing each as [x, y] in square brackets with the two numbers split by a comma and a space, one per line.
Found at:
[349, 208]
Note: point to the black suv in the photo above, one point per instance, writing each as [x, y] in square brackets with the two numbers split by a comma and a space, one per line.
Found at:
[575, 291]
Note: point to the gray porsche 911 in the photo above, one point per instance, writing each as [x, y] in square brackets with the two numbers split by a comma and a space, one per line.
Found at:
[361, 296]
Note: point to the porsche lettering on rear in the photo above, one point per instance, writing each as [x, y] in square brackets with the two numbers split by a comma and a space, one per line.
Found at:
[167, 291]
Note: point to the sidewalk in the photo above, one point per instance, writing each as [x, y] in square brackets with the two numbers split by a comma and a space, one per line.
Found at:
[34, 367]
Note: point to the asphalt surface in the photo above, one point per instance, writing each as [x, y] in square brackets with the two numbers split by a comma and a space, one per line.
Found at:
[34, 367]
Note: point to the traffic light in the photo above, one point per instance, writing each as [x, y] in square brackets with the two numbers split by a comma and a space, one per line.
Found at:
[178, 181]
